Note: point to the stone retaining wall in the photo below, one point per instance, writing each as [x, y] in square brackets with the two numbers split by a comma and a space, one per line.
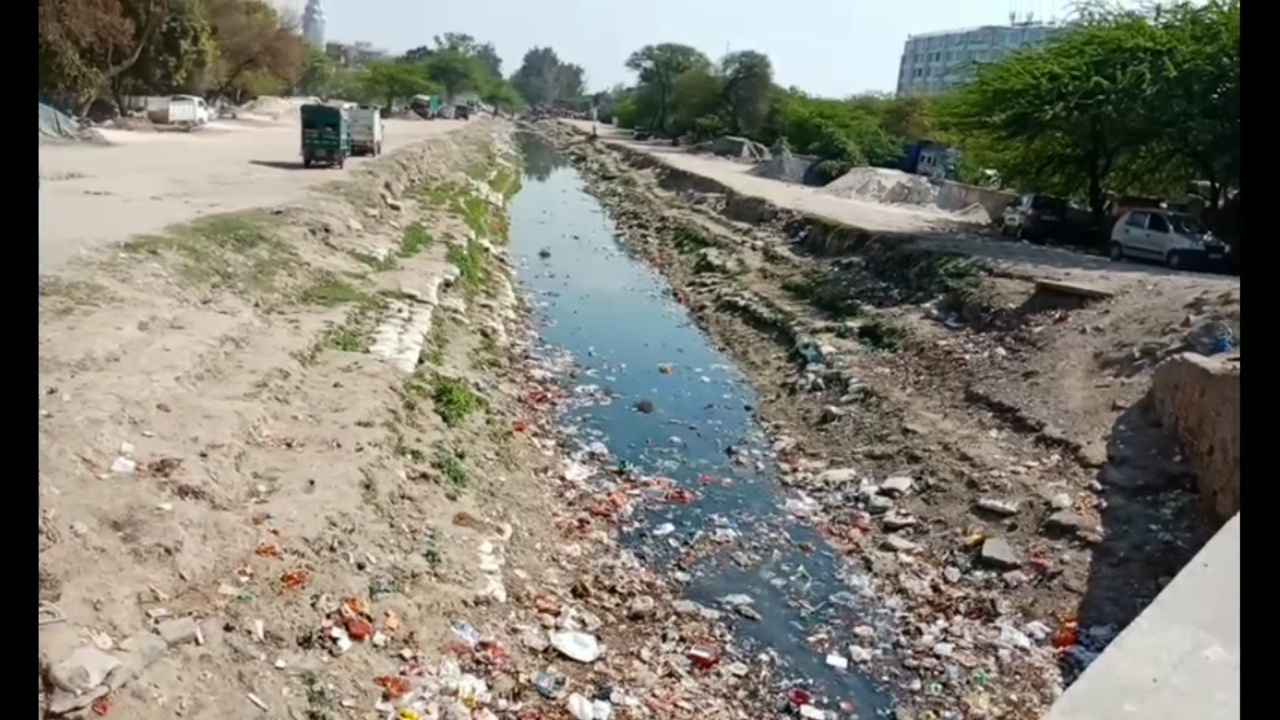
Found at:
[1199, 398]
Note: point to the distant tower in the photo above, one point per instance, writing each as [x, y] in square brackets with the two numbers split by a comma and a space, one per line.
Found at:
[313, 23]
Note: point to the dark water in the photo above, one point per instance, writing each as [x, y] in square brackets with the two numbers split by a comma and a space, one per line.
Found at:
[617, 317]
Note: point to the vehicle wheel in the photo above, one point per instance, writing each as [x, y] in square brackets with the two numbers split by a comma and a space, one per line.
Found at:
[306, 162]
[1117, 252]
[1174, 260]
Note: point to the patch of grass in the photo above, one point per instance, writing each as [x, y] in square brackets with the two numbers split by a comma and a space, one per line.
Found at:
[438, 341]
[825, 293]
[882, 335]
[454, 400]
[469, 258]
[353, 334]
[332, 291]
[239, 250]
[415, 239]
[452, 466]
[505, 181]
[64, 297]
[443, 195]
[689, 240]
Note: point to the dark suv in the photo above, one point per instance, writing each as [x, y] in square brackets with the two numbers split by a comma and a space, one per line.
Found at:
[1034, 217]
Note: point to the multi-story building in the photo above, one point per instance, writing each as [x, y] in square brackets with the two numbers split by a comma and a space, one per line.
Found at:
[934, 62]
[313, 23]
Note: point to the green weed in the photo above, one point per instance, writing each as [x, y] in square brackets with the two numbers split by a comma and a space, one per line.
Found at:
[415, 240]
[454, 400]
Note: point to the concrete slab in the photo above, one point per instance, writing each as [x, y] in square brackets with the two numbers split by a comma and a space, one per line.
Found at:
[1180, 660]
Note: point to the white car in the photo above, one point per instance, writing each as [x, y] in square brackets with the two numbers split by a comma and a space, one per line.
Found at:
[1176, 239]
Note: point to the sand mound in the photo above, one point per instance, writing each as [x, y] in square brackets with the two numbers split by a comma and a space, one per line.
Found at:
[276, 108]
[889, 187]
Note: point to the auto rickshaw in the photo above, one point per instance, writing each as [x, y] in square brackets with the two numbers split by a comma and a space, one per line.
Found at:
[326, 135]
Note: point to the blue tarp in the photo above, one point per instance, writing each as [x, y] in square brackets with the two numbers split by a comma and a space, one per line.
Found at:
[55, 124]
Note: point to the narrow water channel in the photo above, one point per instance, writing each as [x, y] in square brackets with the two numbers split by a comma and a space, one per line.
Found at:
[616, 316]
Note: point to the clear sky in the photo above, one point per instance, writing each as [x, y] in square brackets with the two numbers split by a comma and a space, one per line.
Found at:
[827, 47]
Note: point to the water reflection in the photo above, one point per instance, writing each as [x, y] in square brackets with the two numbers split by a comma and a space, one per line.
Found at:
[540, 159]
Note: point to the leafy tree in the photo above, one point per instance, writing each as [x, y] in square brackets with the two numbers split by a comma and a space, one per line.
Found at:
[317, 72]
[501, 96]
[543, 79]
[658, 66]
[467, 46]
[85, 44]
[1197, 115]
[389, 81]
[454, 72]
[747, 88]
[251, 40]
[178, 59]
[1124, 102]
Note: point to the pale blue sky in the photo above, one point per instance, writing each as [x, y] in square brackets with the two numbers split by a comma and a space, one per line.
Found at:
[827, 47]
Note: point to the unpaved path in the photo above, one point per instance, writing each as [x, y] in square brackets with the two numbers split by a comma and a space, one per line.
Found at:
[92, 195]
[1021, 258]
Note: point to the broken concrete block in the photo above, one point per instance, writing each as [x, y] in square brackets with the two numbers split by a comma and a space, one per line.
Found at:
[84, 669]
[179, 631]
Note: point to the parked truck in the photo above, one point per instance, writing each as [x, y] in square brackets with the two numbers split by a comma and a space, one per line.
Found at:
[366, 130]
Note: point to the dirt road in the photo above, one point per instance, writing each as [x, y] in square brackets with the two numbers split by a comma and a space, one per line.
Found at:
[93, 195]
[1013, 257]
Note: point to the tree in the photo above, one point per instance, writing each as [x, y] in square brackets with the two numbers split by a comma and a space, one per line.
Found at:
[544, 80]
[747, 79]
[252, 42]
[317, 72]
[1198, 118]
[1065, 115]
[389, 81]
[177, 60]
[658, 66]
[454, 72]
[85, 44]
[501, 96]
[467, 46]
[1124, 102]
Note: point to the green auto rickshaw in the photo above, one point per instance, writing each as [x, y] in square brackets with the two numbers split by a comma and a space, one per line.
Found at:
[326, 135]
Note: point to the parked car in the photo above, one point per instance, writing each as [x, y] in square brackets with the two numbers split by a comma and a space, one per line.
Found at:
[1034, 217]
[641, 134]
[1176, 239]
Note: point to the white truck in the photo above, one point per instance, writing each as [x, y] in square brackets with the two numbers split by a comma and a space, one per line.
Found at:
[187, 111]
[366, 130]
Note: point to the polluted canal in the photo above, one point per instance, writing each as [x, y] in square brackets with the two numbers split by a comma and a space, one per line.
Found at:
[652, 397]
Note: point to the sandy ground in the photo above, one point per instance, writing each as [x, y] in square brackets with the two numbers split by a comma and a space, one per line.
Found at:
[1023, 258]
[94, 195]
[1045, 489]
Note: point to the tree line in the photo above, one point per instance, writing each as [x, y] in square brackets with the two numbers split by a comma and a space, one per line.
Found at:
[1121, 103]
[239, 49]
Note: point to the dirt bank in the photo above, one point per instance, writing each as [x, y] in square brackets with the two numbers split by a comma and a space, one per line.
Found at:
[977, 426]
[296, 463]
